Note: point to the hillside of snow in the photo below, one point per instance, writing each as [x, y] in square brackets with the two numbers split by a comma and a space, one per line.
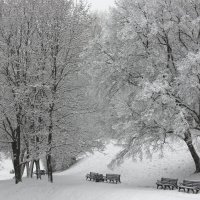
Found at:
[174, 164]
[138, 179]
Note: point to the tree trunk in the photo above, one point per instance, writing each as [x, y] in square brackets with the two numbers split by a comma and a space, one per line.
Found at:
[196, 158]
[22, 168]
[16, 161]
[31, 168]
[37, 165]
[28, 170]
[48, 157]
[49, 168]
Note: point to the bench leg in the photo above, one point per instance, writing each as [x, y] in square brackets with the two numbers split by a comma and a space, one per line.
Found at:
[192, 190]
[196, 192]
[159, 186]
[179, 189]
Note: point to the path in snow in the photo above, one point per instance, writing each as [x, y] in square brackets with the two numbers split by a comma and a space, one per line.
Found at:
[178, 164]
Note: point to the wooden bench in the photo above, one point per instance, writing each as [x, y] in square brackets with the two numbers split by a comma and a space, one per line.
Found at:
[99, 178]
[112, 178]
[40, 172]
[94, 177]
[165, 183]
[187, 185]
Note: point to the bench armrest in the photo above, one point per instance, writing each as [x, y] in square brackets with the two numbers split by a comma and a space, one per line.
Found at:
[158, 181]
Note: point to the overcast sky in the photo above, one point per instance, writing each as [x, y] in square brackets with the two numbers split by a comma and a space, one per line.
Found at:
[101, 4]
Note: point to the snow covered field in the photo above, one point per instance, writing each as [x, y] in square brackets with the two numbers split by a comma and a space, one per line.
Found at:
[138, 180]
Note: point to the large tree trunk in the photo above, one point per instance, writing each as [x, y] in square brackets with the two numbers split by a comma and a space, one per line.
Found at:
[16, 149]
[16, 161]
[195, 156]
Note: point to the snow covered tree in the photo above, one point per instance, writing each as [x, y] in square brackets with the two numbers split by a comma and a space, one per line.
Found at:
[16, 27]
[42, 91]
[144, 63]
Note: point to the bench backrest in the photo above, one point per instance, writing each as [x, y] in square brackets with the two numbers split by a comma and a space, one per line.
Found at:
[191, 183]
[93, 174]
[100, 176]
[113, 176]
[169, 181]
[42, 171]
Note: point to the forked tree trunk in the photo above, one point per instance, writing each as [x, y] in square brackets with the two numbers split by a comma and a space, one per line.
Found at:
[30, 168]
[195, 156]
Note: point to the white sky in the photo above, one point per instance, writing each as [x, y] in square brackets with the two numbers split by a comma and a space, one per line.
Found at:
[101, 4]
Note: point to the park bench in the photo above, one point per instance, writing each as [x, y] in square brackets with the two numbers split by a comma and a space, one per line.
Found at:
[112, 178]
[187, 185]
[94, 177]
[165, 183]
[40, 172]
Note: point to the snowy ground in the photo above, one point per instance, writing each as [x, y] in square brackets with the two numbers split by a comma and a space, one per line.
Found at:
[138, 180]
[5, 168]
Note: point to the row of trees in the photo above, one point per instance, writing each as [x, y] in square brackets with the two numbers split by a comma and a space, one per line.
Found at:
[43, 107]
[145, 62]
